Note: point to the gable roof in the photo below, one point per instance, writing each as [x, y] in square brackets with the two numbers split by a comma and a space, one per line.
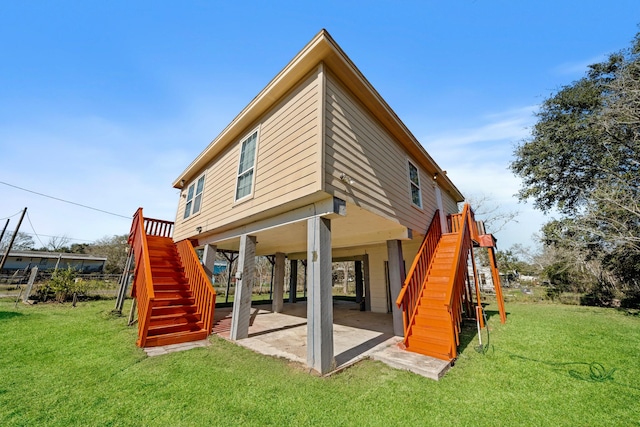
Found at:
[322, 48]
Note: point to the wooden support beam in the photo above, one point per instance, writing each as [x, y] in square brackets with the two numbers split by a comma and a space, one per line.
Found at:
[278, 283]
[396, 278]
[293, 280]
[319, 298]
[241, 312]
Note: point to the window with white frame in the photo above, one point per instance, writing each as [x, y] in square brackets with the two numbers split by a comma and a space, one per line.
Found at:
[194, 198]
[414, 182]
[246, 167]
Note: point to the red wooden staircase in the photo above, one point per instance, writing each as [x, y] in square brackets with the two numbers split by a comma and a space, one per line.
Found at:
[174, 297]
[438, 288]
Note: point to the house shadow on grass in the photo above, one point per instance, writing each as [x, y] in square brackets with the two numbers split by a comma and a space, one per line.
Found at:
[6, 315]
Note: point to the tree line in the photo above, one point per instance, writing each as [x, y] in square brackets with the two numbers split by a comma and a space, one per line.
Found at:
[582, 165]
[114, 248]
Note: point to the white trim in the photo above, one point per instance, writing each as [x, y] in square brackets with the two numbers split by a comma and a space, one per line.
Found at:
[412, 184]
[248, 135]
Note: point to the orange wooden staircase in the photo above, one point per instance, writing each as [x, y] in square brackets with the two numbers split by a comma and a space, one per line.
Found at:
[437, 289]
[175, 299]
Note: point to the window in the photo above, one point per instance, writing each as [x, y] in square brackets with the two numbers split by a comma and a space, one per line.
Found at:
[246, 167]
[414, 181]
[194, 198]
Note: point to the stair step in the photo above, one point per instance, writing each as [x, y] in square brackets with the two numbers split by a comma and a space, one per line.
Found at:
[437, 345]
[429, 320]
[155, 330]
[163, 302]
[173, 294]
[176, 338]
[173, 310]
[174, 319]
[163, 286]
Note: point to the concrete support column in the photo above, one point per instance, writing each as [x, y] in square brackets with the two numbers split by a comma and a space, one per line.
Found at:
[209, 260]
[278, 283]
[396, 278]
[293, 280]
[241, 312]
[319, 299]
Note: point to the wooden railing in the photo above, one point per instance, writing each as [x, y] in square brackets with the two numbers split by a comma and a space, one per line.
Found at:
[201, 288]
[412, 288]
[463, 223]
[456, 221]
[142, 288]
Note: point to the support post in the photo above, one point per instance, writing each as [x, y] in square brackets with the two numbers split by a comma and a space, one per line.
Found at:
[32, 279]
[293, 280]
[367, 283]
[209, 260]
[359, 285]
[241, 312]
[13, 238]
[495, 275]
[396, 278]
[319, 298]
[278, 284]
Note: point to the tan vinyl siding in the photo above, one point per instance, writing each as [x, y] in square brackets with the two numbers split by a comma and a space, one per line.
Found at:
[286, 166]
[356, 144]
[449, 204]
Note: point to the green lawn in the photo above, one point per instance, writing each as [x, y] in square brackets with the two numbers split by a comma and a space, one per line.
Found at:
[79, 366]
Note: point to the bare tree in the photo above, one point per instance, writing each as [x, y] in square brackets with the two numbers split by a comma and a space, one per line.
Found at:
[494, 216]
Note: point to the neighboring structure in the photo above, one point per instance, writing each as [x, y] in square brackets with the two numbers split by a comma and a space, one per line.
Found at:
[25, 260]
[318, 168]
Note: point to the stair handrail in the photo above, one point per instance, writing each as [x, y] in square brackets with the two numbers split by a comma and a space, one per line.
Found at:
[415, 280]
[199, 283]
[462, 224]
[142, 288]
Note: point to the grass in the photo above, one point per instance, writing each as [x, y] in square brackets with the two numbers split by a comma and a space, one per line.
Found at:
[79, 366]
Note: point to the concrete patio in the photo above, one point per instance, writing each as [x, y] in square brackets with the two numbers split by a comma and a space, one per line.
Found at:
[357, 335]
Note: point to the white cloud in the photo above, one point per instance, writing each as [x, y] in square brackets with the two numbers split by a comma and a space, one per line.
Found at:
[477, 161]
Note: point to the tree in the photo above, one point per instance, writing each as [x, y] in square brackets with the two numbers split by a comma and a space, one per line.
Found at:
[23, 242]
[583, 160]
[495, 218]
[114, 248]
[58, 243]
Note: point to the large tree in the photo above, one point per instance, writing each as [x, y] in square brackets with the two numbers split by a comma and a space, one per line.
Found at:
[583, 161]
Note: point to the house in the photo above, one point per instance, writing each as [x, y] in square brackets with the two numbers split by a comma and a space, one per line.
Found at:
[318, 167]
[25, 260]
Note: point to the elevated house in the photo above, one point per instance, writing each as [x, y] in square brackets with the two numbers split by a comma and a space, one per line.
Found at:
[317, 167]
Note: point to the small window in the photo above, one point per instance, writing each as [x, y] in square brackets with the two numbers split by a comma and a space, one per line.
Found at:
[246, 167]
[414, 181]
[194, 198]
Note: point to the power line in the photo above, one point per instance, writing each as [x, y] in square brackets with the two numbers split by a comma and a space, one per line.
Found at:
[11, 216]
[65, 201]
[34, 231]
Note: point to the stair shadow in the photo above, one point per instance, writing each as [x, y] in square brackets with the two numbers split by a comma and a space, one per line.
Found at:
[358, 350]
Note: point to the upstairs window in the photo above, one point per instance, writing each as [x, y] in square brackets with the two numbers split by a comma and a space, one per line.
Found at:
[194, 198]
[244, 183]
[414, 182]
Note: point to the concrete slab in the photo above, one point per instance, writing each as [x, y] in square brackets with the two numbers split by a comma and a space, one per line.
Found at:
[357, 335]
[166, 349]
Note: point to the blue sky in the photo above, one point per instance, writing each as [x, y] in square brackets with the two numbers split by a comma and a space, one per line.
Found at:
[105, 103]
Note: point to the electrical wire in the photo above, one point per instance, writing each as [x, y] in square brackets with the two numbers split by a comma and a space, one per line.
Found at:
[11, 216]
[66, 201]
[34, 231]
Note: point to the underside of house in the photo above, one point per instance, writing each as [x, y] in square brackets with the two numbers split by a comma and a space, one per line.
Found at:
[176, 300]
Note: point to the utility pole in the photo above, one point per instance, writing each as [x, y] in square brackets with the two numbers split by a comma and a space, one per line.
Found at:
[4, 229]
[15, 233]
